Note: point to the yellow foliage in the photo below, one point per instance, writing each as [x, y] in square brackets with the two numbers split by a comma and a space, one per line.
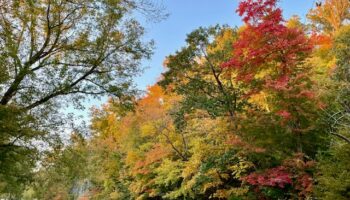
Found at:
[225, 194]
[148, 129]
[240, 168]
[294, 22]
[260, 100]
[222, 41]
[332, 14]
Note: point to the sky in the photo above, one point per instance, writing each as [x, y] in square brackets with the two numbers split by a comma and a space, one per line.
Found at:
[185, 16]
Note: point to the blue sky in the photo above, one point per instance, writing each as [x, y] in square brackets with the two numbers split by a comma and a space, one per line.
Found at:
[187, 15]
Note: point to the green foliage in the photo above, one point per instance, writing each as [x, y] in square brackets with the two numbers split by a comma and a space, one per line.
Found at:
[62, 172]
[46, 62]
[341, 49]
[259, 112]
[16, 160]
[333, 179]
[194, 72]
[55, 53]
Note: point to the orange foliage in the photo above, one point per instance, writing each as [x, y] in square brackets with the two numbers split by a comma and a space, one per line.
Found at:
[156, 154]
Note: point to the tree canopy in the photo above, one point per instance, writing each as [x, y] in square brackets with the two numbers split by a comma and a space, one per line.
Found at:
[256, 112]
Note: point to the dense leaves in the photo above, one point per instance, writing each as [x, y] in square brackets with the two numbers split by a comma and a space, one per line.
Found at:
[251, 113]
[53, 55]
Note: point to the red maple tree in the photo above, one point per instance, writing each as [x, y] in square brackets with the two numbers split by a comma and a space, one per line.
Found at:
[275, 177]
[266, 43]
[268, 55]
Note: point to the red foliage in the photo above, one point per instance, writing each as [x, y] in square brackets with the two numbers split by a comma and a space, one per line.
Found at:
[266, 43]
[304, 185]
[255, 10]
[298, 165]
[292, 172]
[307, 93]
[283, 113]
[275, 177]
[269, 56]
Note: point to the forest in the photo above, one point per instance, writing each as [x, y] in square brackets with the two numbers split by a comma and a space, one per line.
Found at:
[253, 112]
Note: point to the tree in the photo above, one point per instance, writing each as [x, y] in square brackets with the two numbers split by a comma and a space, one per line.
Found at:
[330, 15]
[333, 174]
[194, 72]
[159, 161]
[57, 52]
[237, 115]
[18, 152]
[270, 58]
[63, 171]
[338, 114]
[58, 48]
